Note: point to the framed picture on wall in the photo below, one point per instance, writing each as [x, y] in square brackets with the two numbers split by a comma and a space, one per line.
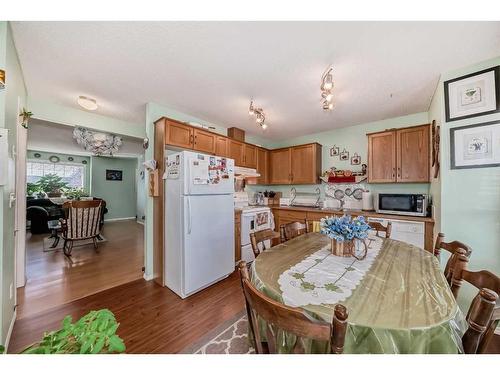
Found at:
[475, 146]
[472, 95]
[114, 175]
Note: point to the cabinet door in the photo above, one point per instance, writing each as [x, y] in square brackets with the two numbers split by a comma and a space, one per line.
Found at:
[263, 166]
[249, 156]
[413, 156]
[204, 141]
[280, 168]
[303, 161]
[221, 146]
[236, 152]
[177, 134]
[382, 157]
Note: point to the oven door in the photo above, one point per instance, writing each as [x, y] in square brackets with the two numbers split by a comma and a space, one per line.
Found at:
[252, 222]
[405, 204]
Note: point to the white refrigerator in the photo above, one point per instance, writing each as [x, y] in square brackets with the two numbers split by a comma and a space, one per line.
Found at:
[199, 221]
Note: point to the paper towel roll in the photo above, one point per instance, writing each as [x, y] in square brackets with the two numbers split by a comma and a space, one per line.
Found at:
[367, 201]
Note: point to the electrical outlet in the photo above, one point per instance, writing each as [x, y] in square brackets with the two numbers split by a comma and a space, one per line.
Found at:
[11, 290]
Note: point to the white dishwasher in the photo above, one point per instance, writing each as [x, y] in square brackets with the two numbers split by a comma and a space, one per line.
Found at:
[412, 232]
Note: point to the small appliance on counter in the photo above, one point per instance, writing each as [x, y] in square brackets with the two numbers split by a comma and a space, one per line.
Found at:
[403, 204]
[367, 200]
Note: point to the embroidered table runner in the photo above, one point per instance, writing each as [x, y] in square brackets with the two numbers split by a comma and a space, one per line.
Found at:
[397, 297]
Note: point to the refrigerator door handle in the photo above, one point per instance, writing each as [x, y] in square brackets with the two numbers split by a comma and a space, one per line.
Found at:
[189, 214]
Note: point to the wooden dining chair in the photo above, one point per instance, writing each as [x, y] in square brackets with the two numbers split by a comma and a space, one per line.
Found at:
[452, 248]
[484, 312]
[277, 316]
[259, 238]
[82, 222]
[292, 230]
[379, 227]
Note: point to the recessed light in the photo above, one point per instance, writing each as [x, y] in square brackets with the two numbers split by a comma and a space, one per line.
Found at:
[88, 103]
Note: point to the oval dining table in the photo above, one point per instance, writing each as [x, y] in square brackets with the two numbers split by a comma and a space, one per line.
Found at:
[397, 297]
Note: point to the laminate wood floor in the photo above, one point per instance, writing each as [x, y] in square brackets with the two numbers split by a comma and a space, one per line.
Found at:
[53, 280]
[152, 319]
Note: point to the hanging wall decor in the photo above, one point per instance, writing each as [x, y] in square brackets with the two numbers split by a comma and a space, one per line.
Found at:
[334, 151]
[472, 95]
[355, 159]
[436, 137]
[25, 115]
[97, 142]
[2, 79]
[344, 155]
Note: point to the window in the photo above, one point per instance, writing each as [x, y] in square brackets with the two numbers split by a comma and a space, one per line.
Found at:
[72, 174]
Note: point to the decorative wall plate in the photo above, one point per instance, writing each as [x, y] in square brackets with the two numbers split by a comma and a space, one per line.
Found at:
[54, 159]
[37, 155]
[70, 158]
[84, 161]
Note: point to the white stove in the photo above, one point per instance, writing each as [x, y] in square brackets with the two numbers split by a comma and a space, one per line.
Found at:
[253, 218]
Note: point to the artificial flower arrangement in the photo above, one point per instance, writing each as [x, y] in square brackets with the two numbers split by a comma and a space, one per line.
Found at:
[343, 232]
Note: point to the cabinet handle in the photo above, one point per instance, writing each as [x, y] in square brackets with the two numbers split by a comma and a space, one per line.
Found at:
[399, 172]
[393, 172]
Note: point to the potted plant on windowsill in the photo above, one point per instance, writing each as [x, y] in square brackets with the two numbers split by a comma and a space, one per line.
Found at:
[52, 185]
[92, 334]
[344, 233]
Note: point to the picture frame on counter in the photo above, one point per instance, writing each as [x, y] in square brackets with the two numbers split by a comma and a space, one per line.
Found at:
[475, 146]
[471, 95]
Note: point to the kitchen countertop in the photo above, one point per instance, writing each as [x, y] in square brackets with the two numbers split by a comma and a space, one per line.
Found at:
[355, 213]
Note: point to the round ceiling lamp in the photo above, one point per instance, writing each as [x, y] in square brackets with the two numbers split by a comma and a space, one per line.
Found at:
[87, 103]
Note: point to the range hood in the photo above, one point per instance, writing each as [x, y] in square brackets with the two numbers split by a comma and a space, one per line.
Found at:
[241, 172]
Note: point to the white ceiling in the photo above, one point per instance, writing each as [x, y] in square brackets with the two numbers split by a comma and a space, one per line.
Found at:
[210, 70]
[50, 137]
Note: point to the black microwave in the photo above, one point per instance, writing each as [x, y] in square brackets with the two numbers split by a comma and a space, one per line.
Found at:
[403, 204]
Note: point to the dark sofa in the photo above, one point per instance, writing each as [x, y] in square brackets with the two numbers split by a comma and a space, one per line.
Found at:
[40, 211]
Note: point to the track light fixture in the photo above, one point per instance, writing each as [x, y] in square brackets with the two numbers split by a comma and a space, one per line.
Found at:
[327, 88]
[260, 117]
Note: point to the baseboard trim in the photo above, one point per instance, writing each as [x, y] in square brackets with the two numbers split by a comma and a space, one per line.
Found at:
[147, 277]
[9, 332]
[140, 222]
[120, 219]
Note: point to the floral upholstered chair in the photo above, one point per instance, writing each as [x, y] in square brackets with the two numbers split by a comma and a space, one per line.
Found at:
[81, 222]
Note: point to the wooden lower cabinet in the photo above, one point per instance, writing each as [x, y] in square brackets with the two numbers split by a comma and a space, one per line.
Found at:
[237, 236]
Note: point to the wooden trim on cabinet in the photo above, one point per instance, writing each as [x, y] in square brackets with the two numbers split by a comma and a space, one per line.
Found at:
[158, 217]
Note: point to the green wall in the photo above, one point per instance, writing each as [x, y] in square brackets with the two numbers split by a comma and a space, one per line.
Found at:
[470, 210]
[354, 140]
[64, 158]
[120, 196]
[11, 99]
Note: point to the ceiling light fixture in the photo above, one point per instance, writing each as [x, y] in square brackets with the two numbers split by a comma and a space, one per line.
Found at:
[326, 89]
[260, 117]
[87, 103]
[97, 142]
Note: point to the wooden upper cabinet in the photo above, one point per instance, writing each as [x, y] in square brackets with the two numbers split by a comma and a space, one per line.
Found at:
[221, 146]
[177, 134]
[280, 166]
[262, 168]
[399, 155]
[413, 145]
[204, 141]
[382, 157]
[306, 163]
[249, 156]
[236, 152]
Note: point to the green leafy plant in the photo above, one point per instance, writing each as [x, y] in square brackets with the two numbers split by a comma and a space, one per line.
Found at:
[2, 349]
[25, 116]
[32, 189]
[93, 333]
[52, 184]
[75, 193]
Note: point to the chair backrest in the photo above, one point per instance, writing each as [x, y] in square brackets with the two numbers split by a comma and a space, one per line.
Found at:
[379, 227]
[82, 219]
[484, 312]
[259, 238]
[278, 317]
[292, 230]
[452, 248]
